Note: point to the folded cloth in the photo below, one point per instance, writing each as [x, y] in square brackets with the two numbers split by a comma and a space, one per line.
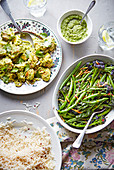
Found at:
[96, 151]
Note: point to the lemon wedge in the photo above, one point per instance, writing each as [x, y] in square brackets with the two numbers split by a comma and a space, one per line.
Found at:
[30, 2]
[34, 2]
[106, 37]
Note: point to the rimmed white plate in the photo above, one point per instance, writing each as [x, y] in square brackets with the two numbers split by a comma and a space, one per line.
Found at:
[109, 117]
[20, 115]
[34, 27]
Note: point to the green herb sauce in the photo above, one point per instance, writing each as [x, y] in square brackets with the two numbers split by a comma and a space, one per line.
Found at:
[72, 30]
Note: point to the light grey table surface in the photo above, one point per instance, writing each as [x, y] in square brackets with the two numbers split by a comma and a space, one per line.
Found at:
[100, 14]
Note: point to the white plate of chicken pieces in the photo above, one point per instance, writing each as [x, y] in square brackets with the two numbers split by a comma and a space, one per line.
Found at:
[25, 69]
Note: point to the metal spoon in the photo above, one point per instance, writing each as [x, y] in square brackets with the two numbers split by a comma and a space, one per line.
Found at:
[79, 139]
[24, 35]
[89, 8]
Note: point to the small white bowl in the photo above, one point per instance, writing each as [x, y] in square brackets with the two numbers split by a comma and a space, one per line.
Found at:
[78, 12]
[109, 117]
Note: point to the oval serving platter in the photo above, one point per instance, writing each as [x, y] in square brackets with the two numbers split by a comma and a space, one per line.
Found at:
[109, 117]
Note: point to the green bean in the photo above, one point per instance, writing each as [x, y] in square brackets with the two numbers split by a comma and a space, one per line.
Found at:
[74, 84]
[68, 83]
[63, 93]
[96, 122]
[78, 117]
[84, 86]
[111, 81]
[96, 88]
[103, 78]
[78, 76]
[83, 107]
[108, 69]
[67, 97]
[93, 77]
[91, 96]
[67, 115]
[104, 105]
[95, 83]
[72, 100]
[70, 89]
[80, 98]
[108, 80]
[71, 107]
[74, 88]
[76, 68]
[98, 106]
[81, 74]
[87, 75]
[83, 115]
[76, 96]
[79, 80]
[95, 101]
[80, 125]
[103, 113]
[96, 94]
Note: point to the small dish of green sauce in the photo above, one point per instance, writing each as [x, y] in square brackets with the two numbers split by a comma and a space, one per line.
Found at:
[71, 28]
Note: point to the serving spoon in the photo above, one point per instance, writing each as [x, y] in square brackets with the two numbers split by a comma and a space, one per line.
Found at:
[78, 141]
[24, 35]
[89, 8]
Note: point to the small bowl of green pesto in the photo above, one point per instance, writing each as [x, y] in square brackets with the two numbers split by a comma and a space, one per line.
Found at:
[70, 29]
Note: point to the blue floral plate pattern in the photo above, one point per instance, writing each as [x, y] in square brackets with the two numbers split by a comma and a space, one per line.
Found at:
[34, 27]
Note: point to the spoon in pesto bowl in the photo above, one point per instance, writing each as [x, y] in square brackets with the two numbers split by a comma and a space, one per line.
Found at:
[89, 8]
[24, 35]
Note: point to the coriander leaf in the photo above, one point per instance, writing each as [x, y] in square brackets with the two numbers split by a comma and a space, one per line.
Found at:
[14, 70]
[43, 35]
[20, 60]
[27, 53]
[7, 47]
[27, 67]
[3, 68]
[5, 79]
[37, 75]
[39, 53]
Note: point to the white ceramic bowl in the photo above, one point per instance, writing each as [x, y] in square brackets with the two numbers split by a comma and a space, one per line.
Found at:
[71, 12]
[109, 117]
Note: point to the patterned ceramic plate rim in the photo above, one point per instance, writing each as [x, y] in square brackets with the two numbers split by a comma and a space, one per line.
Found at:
[34, 27]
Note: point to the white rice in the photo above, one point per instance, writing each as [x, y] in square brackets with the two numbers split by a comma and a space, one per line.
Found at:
[21, 152]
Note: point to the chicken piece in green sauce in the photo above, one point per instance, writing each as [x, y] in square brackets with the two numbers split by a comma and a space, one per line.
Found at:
[8, 34]
[30, 74]
[46, 61]
[21, 76]
[46, 45]
[45, 73]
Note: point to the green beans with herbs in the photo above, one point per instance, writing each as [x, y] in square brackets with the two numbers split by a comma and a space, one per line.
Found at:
[87, 89]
